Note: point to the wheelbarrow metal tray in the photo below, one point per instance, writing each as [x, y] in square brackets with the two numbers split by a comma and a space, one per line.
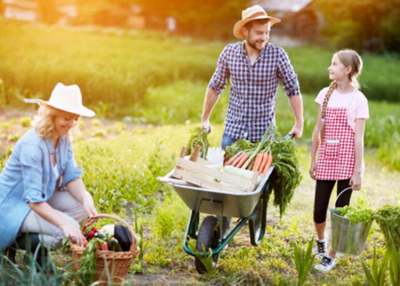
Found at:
[231, 204]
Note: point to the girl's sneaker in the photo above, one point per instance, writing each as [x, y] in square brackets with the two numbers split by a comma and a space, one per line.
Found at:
[322, 246]
[327, 264]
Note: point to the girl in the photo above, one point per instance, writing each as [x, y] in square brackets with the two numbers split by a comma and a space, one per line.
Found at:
[43, 197]
[338, 139]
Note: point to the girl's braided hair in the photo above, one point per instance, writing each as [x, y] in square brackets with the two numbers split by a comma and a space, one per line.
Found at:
[349, 58]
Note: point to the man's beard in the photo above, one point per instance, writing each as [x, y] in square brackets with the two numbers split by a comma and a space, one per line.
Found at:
[254, 45]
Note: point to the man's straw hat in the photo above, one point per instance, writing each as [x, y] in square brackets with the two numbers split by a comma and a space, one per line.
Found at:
[250, 14]
[67, 98]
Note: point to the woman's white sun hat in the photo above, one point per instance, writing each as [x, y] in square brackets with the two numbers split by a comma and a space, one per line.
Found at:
[252, 13]
[67, 98]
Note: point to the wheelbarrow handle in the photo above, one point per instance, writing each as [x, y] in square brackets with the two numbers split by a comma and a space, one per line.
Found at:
[288, 136]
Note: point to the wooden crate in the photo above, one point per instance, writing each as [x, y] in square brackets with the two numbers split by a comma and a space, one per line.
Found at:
[193, 169]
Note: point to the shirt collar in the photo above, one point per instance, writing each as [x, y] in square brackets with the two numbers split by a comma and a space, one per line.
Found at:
[49, 145]
[243, 51]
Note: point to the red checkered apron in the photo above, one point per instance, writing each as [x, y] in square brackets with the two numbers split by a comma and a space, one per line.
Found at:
[336, 159]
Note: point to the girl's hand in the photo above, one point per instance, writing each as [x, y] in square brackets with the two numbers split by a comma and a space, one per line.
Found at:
[313, 169]
[355, 182]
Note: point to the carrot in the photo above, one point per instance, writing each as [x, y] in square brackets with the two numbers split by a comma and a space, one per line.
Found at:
[233, 158]
[242, 160]
[237, 160]
[264, 159]
[258, 162]
[267, 165]
[104, 246]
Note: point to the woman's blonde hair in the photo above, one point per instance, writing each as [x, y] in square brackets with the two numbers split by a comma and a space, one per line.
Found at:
[349, 58]
[44, 122]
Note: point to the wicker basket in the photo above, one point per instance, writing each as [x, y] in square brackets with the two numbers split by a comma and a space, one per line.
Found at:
[118, 263]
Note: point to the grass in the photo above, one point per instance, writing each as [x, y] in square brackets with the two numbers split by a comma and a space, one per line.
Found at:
[110, 68]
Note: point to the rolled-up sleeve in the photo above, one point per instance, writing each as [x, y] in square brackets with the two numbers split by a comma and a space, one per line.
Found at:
[220, 77]
[72, 171]
[287, 75]
[31, 158]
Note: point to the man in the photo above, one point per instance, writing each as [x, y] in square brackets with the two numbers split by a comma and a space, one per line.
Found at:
[255, 68]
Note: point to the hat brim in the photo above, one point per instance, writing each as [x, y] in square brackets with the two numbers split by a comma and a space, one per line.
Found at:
[83, 111]
[237, 28]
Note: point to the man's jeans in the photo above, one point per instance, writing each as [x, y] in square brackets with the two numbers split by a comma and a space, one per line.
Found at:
[224, 221]
[227, 141]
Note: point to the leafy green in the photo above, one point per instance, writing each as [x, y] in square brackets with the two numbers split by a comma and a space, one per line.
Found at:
[358, 213]
[87, 268]
[388, 218]
[239, 145]
[198, 136]
[286, 176]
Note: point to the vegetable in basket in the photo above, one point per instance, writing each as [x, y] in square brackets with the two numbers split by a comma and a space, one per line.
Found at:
[356, 214]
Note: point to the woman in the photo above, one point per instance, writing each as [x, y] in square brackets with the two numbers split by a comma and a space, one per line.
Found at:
[41, 190]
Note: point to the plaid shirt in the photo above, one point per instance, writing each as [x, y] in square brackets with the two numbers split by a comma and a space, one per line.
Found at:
[253, 89]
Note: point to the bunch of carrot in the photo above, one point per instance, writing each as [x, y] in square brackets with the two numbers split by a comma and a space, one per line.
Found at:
[255, 159]
[262, 162]
[238, 160]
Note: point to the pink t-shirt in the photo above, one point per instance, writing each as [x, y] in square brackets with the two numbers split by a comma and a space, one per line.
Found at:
[357, 104]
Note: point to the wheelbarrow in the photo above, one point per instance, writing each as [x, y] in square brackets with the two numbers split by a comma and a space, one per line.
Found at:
[209, 237]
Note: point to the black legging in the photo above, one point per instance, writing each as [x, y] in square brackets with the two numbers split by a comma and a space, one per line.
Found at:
[323, 191]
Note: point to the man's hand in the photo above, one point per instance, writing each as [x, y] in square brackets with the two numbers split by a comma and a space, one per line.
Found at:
[297, 130]
[205, 125]
[296, 102]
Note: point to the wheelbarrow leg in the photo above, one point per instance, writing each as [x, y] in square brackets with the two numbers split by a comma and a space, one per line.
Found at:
[258, 220]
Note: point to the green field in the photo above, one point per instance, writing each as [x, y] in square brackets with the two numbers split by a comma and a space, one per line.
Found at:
[115, 68]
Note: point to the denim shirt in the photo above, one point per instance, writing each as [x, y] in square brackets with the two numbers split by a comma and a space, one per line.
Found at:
[28, 176]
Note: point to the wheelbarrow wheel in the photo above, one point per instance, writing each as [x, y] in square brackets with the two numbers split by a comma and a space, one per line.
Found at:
[207, 238]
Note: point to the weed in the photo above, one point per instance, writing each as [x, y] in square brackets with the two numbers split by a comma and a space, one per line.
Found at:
[377, 275]
[303, 260]
[26, 121]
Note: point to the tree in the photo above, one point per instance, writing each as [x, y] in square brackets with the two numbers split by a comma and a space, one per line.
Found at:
[209, 18]
[47, 11]
[362, 24]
